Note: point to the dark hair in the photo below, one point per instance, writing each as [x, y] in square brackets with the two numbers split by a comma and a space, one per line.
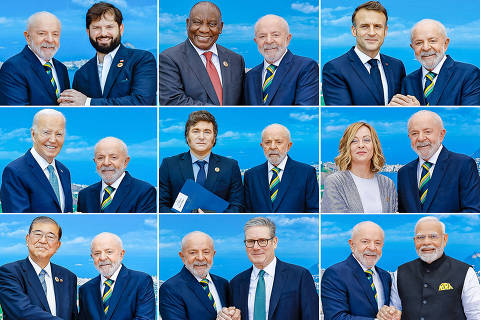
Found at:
[197, 116]
[45, 219]
[98, 10]
[370, 5]
[206, 3]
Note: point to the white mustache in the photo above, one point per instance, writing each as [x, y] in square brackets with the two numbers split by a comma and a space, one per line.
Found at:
[47, 45]
[199, 264]
[422, 144]
[428, 53]
[270, 46]
[372, 253]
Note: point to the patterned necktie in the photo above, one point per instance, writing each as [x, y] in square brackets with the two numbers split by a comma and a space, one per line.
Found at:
[268, 81]
[428, 85]
[259, 306]
[214, 78]
[201, 176]
[369, 274]
[204, 283]
[424, 181]
[41, 276]
[376, 78]
[107, 197]
[48, 68]
[274, 183]
[52, 177]
[107, 294]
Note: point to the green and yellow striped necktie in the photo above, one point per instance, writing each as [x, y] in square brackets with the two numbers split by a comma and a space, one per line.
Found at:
[107, 294]
[268, 81]
[369, 274]
[274, 183]
[428, 86]
[204, 283]
[107, 197]
[424, 181]
[49, 69]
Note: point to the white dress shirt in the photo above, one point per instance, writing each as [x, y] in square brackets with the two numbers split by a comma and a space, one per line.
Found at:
[105, 66]
[432, 160]
[436, 70]
[115, 185]
[54, 72]
[113, 277]
[213, 291]
[215, 59]
[43, 165]
[49, 282]
[369, 193]
[281, 166]
[364, 58]
[195, 166]
[266, 64]
[269, 277]
[377, 282]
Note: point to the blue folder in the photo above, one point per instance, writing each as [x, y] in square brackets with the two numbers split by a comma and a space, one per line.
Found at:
[194, 196]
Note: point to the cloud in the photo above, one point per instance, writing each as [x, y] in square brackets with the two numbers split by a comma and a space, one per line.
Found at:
[236, 135]
[82, 150]
[165, 18]
[76, 241]
[21, 133]
[335, 128]
[284, 221]
[10, 155]
[151, 222]
[180, 127]
[88, 3]
[302, 116]
[16, 248]
[170, 143]
[144, 149]
[163, 245]
[78, 265]
[304, 7]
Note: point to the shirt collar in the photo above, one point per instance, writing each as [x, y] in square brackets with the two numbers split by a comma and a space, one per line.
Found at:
[194, 159]
[276, 63]
[269, 269]
[40, 160]
[115, 184]
[365, 58]
[38, 269]
[281, 165]
[435, 70]
[114, 275]
[111, 54]
[433, 159]
[200, 52]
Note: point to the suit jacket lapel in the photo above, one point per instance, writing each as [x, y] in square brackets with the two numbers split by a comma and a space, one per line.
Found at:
[360, 276]
[220, 290]
[258, 82]
[97, 298]
[65, 184]
[212, 173]
[439, 169]
[120, 194]
[61, 79]
[280, 279]
[34, 281]
[412, 184]
[118, 290]
[265, 185]
[186, 166]
[385, 285]
[198, 290]
[363, 74]
[94, 79]
[114, 70]
[443, 78]
[58, 288]
[285, 183]
[225, 71]
[418, 88]
[41, 177]
[280, 74]
[389, 75]
[40, 72]
[244, 284]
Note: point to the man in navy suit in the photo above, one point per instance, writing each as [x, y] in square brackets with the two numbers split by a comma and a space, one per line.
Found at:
[440, 80]
[439, 181]
[271, 287]
[356, 288]
[117, 293]
[281, 184]
[363, 76]
[34, 77]
[217, 174]
[116, 75]
[282, 78]
[198, 71]
[36, 182]
[35, 288]
[194, 293]
[118, 191]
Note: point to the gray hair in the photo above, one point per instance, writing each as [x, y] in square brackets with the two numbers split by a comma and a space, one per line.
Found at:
[112, 235]
[46, 112]
[260, 222]
[282, 21]
[34, 17]
[273, 125]
[430, 218]
[440, 26]
[356, 228]
[193, 233]
[435, 117]
[122, 144]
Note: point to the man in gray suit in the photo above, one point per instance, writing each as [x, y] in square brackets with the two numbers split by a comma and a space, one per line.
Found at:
[198, 71]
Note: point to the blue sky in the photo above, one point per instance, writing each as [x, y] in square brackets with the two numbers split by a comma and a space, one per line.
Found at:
[463, 234]
[462, 125]
[138, 233]
[239, 18]
[460, 18]
[297, 241]
[139, 18]
[85, 126]
[239, 132]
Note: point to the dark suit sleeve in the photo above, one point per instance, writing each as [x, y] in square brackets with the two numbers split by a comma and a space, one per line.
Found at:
[81, 205]
[471, 89]
[82, 305]
[165, 198]
[73, 297]
[145, 304]
[148, 202]
[401, 205]
[311, 192]
[248, 200]
[470, 188]
[14, 197]
[235, 197]
[13, 87]
[16, 303]
[171, 305]
[307, 86]
[334, 87]
[308, 297]
[143, 85]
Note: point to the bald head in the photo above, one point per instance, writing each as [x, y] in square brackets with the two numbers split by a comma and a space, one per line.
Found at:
[366, 243]
[276, 128]
[196, 236]
[367, 227]
[43, 34]
[430, 25]
[112, 141]
[107, 237]
[207, 5]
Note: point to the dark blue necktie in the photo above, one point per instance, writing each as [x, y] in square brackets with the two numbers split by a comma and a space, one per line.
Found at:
[376, 79]
[201, 176]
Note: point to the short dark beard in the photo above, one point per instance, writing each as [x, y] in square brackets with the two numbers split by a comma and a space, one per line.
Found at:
[105, 50]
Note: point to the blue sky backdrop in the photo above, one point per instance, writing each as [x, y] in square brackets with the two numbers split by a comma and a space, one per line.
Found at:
[85, 126]
[138, 233]
[459, 17]
[297, 241]
[463, 234]
[239, 18]
[239, 132]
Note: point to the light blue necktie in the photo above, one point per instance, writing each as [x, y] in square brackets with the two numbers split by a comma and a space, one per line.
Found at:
[41, 276]
[52, 177]
[259, 312]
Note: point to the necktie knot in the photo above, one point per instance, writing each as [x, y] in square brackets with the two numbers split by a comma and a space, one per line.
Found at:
[204, 282]
[208, 55]
[272, 68]
[369, 273]
[109, 282]
[50, 169]
[109, 189]
[373, 63]
[427, 165]
[261, 273]
[431, 75]
[201, 164]
[107, 197]
[48, 66]
[43, 273]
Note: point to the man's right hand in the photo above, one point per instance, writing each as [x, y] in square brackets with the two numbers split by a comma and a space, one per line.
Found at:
[389, 313]
[401, 100]
[230, 313]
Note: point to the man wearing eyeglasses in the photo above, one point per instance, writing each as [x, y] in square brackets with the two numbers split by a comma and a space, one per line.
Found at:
[36, 182]
[272, 289]
[435, 286]
[34, 288]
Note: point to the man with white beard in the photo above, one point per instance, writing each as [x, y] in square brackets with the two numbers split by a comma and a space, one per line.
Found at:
[117, 293]
[33, 76]
[440, 80]
[435, 286]
[439, 180]
[356, 288]
[118, 191]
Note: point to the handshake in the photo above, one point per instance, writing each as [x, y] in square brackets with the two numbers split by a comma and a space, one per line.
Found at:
[385, 313]
[230, 313]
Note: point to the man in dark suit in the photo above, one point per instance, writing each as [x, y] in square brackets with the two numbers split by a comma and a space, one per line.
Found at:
[218, 174]
[126, 294]
[194, 293]
[356, 288]
[118, 191]
[290, 288]
[199, 71]
[34, 77]
[440, 80]
[35, 288]
[282, 78]
[363, 76]
[281, 184]
[36, 182]
[116, 75]
[438, 181]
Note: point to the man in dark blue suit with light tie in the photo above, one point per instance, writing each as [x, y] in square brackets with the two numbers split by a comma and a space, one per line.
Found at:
[34, 77]
[282, 78]
[36, 182]
[356, 288]
[35, 288]
[273, 288]
[217, 174]
[363, 76]
[117, 293]
[281, 184]
[116, 75]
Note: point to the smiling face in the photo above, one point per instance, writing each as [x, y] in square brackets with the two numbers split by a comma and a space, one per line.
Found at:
[105, 34]
[429, 43]
[367, 243]
[107, 254]
[361, 147]
[430, 247]
[272, 37]
[370, 30]
[204, 25]
[197, 254]
[260, 256]
[49, 136]
[43, 242]
[426, 135]
[110, 159]
[43, 35]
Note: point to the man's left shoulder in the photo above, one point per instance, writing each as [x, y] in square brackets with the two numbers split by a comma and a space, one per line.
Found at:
[391, 60]
[464, 67]
[458, 157]
[62, 270]
[140, 184]
[232, 55]
[301, 165]
[62, 167]
[293, 268]
[224, 160]
[301, 60]
[139, 275]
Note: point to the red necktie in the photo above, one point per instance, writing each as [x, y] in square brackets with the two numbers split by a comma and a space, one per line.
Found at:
[214, 78]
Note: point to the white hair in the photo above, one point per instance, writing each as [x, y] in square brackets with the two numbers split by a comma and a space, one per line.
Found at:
[440, 26]
[193, 233]
[356, 228]
[46, 112]
[435, 117]
[34, 17]
[112, 235]
[282, 21]
[122, 144]
[277, 125]
[430, 218]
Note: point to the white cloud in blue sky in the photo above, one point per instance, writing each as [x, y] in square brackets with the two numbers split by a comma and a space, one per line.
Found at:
[302, 116]
[304, 7]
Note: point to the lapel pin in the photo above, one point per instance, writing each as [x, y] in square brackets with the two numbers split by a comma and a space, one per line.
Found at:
[225, 63]
[120, 64]
[121, 60]
[56, 279]
[386, 63]
[61, 280]
[217, 169]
